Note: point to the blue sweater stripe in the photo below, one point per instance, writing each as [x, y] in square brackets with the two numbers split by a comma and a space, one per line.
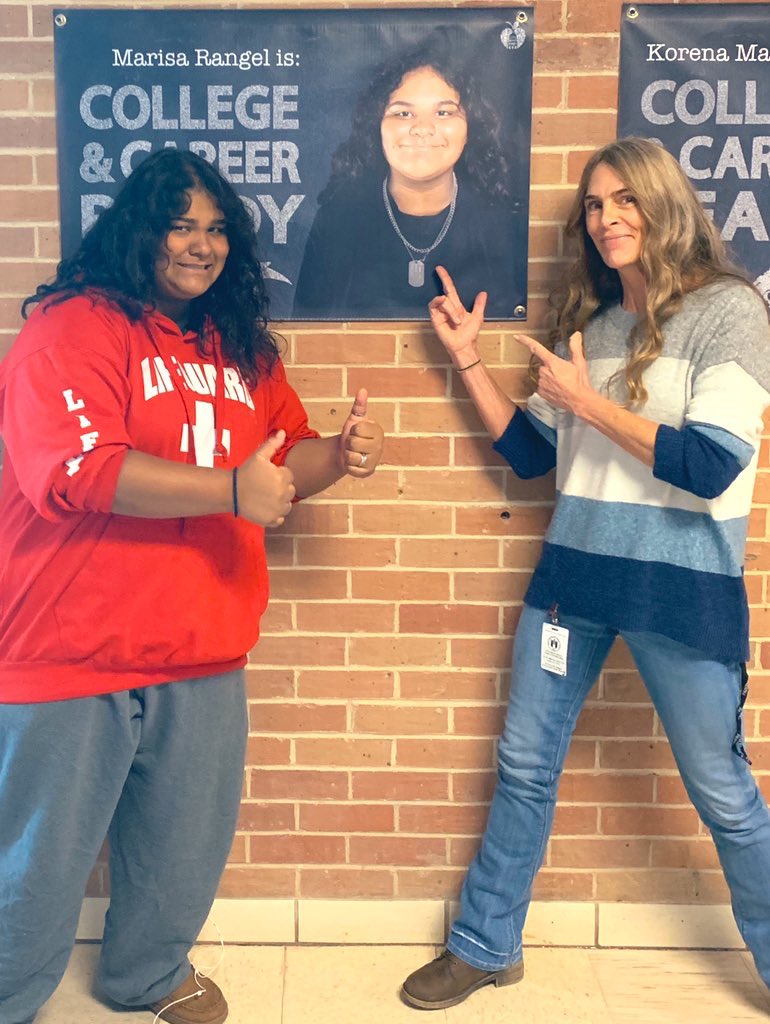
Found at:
[692, 460]
[522, 445]
[650, 533]
[703, 610]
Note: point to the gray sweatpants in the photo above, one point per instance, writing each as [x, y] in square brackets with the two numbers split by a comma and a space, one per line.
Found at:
[160, 770]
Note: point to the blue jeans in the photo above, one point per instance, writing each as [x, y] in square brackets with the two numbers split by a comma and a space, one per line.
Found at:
[698, 701]
[161, 768]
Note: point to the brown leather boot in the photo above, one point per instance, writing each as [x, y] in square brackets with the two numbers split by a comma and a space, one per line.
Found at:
[448, 980]
[203, 1002]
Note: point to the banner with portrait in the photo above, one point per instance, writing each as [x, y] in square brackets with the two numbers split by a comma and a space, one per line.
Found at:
[368, 145]
[697, 78]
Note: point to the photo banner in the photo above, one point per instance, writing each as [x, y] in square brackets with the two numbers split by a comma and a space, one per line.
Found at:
[697, 78]
[369, 146]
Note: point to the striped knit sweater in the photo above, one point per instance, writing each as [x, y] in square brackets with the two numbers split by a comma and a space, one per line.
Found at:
[658, 550]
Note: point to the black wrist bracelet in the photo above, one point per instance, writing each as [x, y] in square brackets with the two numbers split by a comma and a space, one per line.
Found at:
[462, 369]
[235, 491]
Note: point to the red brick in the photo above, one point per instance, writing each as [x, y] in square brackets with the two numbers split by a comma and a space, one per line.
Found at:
[244, 881]
[17, 242]
[397, 650]
[658, 886]
[598, 16]
[546, 91]
[399, 720]
[256, 817]
[327, 617]
[424, 884]
[299, 650]
[395, 850]
[344, 684]
[14, 94]
[398, 382]
[649, 821]
[563, 885]
[308, 584]
[575, 820]
[448, 618]
[346, 347]
[396, 584]
[465, 553]
[448, 685]
[589, 53]
[444, 753]
[13, 21]
[417, 451]
[317, 517]
[443, 819]
[297, 849]
[346, 818]
[27, 205]
[481, 653]
[606, 788]
[592, 92]
[320, 883]
[263, 750]
[599, 853]
[344, 551]
[342, 751]
[298, 784]
[401, 520]
[274, 717]
[479, 721]
[697, 853]
[400, 785]
[264, 683]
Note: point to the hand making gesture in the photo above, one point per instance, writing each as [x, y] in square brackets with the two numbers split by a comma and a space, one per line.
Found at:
[562, 382]
[361, 440]
[457, 327]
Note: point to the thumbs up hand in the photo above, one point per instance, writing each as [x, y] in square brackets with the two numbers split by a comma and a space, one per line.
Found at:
[265, 490]
[361, 440]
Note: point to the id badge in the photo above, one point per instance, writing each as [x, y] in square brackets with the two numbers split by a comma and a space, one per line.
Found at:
[553, 649]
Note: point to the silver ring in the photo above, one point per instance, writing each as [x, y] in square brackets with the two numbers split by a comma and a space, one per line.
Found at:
[364, 457]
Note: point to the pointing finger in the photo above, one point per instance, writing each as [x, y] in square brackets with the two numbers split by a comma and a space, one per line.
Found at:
[538, 351]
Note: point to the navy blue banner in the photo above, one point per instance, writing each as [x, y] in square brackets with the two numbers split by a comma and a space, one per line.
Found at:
[697, 78]
[369, 145]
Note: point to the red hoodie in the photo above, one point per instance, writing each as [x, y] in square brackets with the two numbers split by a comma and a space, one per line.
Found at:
[92, 602]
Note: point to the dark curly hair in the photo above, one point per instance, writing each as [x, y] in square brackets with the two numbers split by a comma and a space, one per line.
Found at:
[483, 162]
[117, 258]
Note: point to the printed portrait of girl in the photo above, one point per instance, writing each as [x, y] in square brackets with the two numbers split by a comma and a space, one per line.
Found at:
[422, 181]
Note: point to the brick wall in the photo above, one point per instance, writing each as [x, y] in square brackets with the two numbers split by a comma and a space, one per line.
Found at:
[378, 688]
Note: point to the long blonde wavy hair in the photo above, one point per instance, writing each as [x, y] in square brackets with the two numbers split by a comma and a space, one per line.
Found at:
[681, 251]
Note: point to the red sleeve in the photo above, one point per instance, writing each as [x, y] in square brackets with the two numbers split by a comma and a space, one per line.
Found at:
[64, 401]
[286, 413]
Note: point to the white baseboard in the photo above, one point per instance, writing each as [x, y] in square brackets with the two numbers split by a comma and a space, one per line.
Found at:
[404, 922]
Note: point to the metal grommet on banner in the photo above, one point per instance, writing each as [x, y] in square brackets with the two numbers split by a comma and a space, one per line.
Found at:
[60, 20]
[632, 12]
[521, 17]
[520, 311]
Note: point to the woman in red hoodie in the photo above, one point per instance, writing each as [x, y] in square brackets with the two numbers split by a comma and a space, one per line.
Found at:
[151, 437]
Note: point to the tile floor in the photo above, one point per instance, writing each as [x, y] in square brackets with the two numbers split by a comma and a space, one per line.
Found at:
[351, 984]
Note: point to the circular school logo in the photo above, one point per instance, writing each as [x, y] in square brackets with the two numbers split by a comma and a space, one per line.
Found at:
[554, 643]
[512, 36]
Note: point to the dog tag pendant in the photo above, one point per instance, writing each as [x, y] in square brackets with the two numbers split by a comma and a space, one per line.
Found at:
[416, 273]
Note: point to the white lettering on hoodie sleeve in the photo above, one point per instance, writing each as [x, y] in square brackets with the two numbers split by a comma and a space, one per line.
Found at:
[88, 439]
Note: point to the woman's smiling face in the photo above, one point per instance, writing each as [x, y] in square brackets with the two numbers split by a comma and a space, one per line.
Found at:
[424, 128]
[193, 255]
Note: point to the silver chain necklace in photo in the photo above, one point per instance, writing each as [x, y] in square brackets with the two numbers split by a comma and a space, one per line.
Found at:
[416, 274]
